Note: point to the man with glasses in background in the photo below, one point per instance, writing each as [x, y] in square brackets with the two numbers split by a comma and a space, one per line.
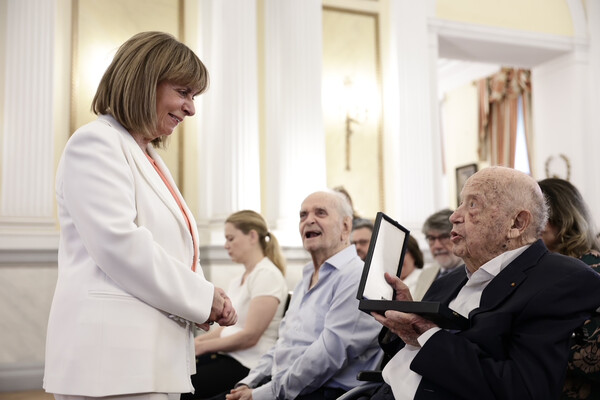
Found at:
[437, 228]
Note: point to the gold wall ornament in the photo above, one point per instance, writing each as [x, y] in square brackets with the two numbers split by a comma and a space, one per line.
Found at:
[561, 164]
[357, 113]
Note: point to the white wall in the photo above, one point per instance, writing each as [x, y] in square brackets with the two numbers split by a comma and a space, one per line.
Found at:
[459, 132]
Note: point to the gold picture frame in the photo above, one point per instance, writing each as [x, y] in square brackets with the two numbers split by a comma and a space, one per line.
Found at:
[99, 27]
[462, 174]
[352, 106]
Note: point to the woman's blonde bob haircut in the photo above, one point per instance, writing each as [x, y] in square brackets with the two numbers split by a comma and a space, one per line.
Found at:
[127, 90]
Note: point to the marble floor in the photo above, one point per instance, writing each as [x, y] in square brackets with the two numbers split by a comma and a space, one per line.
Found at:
[28, 395]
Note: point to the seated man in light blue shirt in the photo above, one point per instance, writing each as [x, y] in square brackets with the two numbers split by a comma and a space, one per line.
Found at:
[324, 340]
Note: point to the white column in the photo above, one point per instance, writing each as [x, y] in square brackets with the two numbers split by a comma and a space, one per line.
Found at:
[227, 120]
[412, 141]
[27, 136]
[295, 139]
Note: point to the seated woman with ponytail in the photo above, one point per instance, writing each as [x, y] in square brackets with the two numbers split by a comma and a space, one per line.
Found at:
[226, 354]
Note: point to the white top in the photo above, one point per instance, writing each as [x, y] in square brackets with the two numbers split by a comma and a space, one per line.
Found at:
[264, 280]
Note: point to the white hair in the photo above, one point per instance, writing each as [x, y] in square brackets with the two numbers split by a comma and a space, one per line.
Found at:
[342, 203]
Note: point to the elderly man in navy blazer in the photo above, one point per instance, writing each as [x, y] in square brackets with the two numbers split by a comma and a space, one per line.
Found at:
[523, 303]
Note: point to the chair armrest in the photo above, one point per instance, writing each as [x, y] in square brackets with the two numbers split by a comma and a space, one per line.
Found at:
[361, 391]
[370, 376]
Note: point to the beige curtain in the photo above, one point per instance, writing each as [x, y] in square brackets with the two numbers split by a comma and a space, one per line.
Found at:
[498, 115]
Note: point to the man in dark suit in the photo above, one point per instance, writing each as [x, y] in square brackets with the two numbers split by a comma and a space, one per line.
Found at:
[523, 303]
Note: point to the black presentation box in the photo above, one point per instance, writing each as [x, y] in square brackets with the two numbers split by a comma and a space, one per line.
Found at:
[386, 254]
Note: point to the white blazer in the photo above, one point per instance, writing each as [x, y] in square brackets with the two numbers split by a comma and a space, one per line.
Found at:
[126, 295]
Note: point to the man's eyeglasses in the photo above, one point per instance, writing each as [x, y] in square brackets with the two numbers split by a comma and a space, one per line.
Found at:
[442, 238]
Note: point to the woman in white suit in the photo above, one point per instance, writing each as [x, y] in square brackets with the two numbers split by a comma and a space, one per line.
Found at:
[130, 287]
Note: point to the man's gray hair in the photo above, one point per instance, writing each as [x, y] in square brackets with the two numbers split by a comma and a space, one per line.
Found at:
[439, 221]
[342, 203]
[359, 223]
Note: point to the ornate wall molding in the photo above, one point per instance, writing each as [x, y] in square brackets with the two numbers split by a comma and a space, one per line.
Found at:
[459, 40]
[210, 255]
[24, 248]
[23, 376]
